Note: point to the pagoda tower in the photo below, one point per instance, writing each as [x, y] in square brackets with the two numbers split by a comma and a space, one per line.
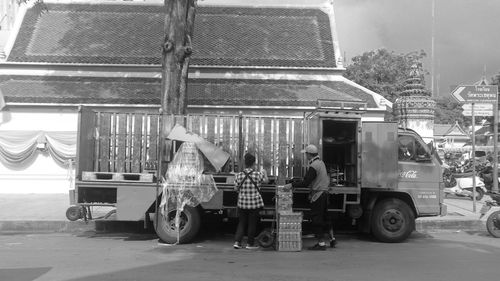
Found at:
[414, 109]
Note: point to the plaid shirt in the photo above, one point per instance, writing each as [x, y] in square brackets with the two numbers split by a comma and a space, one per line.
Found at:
[248, 194]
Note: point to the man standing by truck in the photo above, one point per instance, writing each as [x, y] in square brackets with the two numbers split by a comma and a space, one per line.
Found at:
[317, 180]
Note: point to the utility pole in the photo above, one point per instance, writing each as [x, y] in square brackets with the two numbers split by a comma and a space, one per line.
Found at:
[432, 47]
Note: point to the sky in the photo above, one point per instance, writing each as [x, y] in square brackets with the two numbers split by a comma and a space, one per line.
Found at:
[466, 37]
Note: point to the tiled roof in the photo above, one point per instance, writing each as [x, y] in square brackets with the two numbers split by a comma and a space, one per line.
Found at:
[441, 129]
[448, 130]
[132, 34]
[91, 90]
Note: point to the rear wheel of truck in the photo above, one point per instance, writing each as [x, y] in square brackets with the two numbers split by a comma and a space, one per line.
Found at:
[392, 221]
[189, 225]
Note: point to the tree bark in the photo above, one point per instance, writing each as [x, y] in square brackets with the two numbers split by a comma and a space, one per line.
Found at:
[176, 54]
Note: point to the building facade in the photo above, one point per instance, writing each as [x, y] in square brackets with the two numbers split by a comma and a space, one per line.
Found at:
[277, 60]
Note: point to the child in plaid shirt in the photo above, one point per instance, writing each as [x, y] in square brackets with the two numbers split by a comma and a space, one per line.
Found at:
[247, 184]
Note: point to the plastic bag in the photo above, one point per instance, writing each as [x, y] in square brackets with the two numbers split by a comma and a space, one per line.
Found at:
[185, 183]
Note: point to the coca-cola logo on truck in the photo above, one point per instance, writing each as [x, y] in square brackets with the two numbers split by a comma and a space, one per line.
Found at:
[411, 174]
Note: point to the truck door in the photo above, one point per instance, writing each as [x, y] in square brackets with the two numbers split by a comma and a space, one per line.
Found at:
[379, 162]
[419, 172]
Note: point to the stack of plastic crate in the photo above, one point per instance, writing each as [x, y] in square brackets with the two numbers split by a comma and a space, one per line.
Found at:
[284, 198]
[289, 231]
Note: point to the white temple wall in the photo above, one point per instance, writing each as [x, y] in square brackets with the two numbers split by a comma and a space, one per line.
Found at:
[43, 175]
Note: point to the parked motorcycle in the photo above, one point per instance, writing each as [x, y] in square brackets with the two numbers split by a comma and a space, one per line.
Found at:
[486, 174]
[493, 220]
[461, 184]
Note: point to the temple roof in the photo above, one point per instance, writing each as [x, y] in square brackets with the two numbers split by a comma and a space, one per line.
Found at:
[146, 91]
[132, 34]
[444, 130]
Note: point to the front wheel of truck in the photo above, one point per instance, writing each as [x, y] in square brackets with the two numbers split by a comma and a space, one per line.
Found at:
[189, 225]
[392, 221]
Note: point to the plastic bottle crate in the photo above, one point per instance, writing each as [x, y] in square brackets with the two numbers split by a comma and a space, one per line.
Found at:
[289, 241]
[284, 199]
[289, 221]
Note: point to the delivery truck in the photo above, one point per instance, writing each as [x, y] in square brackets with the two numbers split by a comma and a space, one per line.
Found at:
[381, 177]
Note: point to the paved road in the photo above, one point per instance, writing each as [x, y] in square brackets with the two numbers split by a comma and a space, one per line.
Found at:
[438, 256]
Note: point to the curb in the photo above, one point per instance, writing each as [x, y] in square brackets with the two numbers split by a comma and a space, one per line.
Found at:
[449, 225]
[46, 226]
[43, 226]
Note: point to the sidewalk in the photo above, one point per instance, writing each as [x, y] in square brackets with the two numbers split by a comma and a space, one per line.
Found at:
[47, 213]
[38, 213]
[460, 217]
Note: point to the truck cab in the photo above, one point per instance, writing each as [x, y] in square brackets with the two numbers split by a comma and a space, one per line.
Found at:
[381, 176]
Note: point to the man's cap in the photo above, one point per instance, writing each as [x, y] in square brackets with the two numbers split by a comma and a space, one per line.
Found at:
[311, 149]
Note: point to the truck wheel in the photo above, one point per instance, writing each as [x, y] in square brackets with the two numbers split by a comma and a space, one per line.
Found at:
[392, 221]
[493, 224]
[189, 225]
[74, 213]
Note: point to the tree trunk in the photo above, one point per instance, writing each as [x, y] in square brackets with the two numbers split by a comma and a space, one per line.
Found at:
[176, 54]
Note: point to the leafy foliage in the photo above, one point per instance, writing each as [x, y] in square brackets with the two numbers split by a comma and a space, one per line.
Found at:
[448, 112]
[383, 71]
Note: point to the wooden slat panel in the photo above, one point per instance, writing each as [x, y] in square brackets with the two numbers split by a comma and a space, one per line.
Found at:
[235, 143]
[87, 142]
[267, 153]
[121, 142]
[297, 147]
[128, 156]
[195, 124]
[226, 140]
[217, 131]
[282, 152]
[84, 129]
[137, 165]
[210, 136]
[104, 142]
[179, 119]
[202, 130]
[260, 142]
[153, 138]
[226, 134]
[251, 138]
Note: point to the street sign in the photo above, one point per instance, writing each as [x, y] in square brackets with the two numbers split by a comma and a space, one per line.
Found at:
[480, 109]
[475, 93]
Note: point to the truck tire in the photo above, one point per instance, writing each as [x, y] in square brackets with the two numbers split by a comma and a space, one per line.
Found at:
[392, 221]
[493, 224]
[189, 226]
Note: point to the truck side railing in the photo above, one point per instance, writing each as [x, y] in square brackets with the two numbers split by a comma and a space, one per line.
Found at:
[128, 141]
